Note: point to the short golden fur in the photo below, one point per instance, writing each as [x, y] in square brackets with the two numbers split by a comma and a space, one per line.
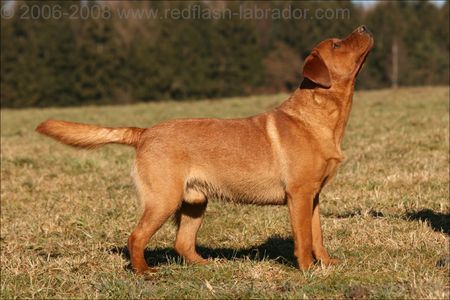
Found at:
[284, 156]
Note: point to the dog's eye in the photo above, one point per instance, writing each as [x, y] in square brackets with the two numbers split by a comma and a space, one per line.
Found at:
[336, 45]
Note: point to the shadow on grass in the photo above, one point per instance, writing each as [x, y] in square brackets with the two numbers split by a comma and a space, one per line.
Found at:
[438, 221]
[275, 248]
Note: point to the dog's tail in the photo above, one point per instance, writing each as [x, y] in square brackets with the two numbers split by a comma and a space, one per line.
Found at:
[89, 136]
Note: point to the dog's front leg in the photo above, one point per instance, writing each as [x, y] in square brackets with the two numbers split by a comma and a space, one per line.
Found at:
[300, 203]
[319, 250]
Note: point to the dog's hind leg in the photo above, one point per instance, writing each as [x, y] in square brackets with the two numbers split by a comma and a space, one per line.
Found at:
[189, 218]
[158, 204]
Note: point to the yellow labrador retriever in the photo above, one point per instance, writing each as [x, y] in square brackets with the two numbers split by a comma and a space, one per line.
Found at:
[284, 156]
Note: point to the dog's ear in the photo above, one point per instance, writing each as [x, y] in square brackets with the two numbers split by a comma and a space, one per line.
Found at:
[315, 70]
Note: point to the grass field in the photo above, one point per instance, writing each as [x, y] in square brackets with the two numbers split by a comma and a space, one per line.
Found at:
[66, 214]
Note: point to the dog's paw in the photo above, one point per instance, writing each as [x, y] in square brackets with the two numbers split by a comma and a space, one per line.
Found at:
[329, 262]
[148, 274]
[199, 261]
[334, 261]
[305, 264]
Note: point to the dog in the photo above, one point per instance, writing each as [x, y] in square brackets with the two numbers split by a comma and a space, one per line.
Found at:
[284, 156]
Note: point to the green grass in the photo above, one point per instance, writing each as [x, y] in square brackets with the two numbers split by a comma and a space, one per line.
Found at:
[66, 214]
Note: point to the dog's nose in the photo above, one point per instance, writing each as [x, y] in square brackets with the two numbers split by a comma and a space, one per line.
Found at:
[363, 29]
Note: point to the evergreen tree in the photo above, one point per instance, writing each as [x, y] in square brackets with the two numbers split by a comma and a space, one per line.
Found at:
[63, 61]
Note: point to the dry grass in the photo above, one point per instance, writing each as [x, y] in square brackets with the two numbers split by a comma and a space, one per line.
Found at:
[66, 214]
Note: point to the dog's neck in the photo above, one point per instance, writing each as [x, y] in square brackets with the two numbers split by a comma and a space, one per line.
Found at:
[329, 109]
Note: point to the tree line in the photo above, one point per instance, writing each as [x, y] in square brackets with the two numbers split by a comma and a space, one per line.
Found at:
[56, 60]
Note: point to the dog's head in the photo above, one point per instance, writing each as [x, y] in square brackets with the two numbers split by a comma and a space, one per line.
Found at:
[336, 61]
